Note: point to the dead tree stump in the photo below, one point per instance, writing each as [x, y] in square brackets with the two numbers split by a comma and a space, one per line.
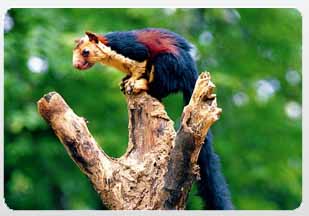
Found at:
[159, 166]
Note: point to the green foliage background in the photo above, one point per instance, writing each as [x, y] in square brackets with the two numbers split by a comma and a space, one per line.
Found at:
[259, 145]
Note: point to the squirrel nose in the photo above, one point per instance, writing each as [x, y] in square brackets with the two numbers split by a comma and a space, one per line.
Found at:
[76, 61]
[77, 65]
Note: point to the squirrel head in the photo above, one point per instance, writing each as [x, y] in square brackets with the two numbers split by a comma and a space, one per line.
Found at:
[86, 52]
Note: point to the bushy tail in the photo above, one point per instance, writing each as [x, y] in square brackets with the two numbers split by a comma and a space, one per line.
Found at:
[212, 187]
[186, 97]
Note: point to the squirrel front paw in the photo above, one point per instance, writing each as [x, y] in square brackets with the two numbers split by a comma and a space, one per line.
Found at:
[133, 86]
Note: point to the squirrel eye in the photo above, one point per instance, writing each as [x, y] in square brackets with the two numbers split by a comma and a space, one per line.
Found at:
[85, 53]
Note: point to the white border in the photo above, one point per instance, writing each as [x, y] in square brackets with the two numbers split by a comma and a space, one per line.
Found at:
[299, 4]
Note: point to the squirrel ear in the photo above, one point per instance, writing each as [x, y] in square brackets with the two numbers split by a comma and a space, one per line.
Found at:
[92, 36]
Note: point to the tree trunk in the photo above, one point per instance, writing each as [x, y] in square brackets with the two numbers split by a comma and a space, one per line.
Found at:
[159, 166]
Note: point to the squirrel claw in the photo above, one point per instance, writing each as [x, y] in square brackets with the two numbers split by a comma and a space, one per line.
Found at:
[131, 85]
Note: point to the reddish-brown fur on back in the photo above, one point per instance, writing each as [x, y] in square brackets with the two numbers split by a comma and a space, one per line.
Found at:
[157, 41]
[102, 39]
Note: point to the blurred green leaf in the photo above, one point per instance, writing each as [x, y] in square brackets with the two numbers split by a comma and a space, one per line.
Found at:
[249, 53]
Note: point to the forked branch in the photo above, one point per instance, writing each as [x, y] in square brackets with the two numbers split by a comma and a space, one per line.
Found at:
[159, 166]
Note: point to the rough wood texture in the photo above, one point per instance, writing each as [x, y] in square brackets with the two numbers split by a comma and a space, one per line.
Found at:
[159, 166]
[197, 117]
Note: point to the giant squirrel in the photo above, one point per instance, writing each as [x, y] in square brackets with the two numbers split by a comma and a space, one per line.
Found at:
[170, 68]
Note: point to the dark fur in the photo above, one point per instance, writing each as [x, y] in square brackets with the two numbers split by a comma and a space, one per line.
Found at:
[176, 71]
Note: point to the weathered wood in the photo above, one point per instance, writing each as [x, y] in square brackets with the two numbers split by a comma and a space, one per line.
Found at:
[197, 118]
[159, 166]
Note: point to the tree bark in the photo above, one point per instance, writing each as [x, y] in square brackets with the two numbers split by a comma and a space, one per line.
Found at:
[159, 166]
